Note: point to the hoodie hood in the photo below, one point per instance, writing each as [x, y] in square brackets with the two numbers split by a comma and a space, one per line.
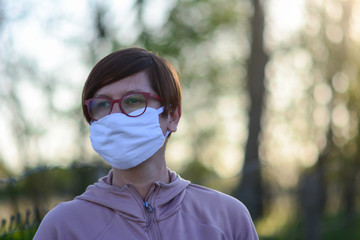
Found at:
[164, 198]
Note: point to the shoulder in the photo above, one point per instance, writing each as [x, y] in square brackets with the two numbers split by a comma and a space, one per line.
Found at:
[219, 210]
[74, 220]
[213, 198]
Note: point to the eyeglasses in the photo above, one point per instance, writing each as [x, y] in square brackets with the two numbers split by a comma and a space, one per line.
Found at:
[132, 105]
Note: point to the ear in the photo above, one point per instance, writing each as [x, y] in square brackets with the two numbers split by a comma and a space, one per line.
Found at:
[174, 118]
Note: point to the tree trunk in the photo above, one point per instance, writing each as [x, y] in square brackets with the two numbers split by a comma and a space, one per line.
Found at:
[250, 190]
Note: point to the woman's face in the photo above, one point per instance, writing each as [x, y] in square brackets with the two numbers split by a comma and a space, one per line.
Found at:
[138, 82]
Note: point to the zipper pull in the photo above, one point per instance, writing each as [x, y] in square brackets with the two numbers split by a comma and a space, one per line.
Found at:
[148, 207]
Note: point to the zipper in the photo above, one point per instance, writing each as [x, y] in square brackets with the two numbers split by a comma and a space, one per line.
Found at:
[150, 213]
[151, 226]
[148, 207]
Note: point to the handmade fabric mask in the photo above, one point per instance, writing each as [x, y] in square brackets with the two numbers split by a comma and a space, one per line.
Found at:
[125, 142]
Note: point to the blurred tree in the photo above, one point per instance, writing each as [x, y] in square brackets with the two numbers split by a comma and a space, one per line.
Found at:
[14, 70]
[336, 79]
[250, 189]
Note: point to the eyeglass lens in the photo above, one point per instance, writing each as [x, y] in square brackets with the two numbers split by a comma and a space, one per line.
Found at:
[132, 105]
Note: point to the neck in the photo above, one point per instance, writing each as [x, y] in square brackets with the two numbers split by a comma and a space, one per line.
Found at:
[144, 175]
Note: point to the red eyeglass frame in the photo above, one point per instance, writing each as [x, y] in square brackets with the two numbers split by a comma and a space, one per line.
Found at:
[112, 101]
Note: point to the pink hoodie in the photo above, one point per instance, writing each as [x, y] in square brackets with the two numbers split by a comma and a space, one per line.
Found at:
[175, 211]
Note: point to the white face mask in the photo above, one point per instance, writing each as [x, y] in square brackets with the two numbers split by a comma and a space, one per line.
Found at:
[125, 142]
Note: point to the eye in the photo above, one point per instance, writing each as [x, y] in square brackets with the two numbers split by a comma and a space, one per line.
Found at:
[134, 100]
[100, 104]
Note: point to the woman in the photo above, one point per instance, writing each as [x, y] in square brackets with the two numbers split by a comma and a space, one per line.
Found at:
[132, 101]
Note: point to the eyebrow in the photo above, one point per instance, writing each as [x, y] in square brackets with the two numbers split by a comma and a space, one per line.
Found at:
[101, 95]
[132, 91]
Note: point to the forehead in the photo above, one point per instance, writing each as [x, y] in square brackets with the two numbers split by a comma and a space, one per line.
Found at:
[136, 82]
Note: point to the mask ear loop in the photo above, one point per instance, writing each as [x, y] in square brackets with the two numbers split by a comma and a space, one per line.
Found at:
[179, 112]
[160, 110]
[167, 133]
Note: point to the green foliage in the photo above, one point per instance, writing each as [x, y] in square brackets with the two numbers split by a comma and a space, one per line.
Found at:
[40, 186]
[197, 173]
[19, 227]
[49, 181]
[26, 234]
[341, 227]
[333, 228]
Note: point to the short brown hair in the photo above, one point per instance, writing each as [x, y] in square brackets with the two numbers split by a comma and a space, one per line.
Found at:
[126, 62]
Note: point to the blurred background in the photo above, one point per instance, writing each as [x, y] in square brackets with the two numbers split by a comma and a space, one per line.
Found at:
[271, 114]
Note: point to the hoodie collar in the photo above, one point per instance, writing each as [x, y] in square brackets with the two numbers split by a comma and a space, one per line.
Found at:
[165, 198]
